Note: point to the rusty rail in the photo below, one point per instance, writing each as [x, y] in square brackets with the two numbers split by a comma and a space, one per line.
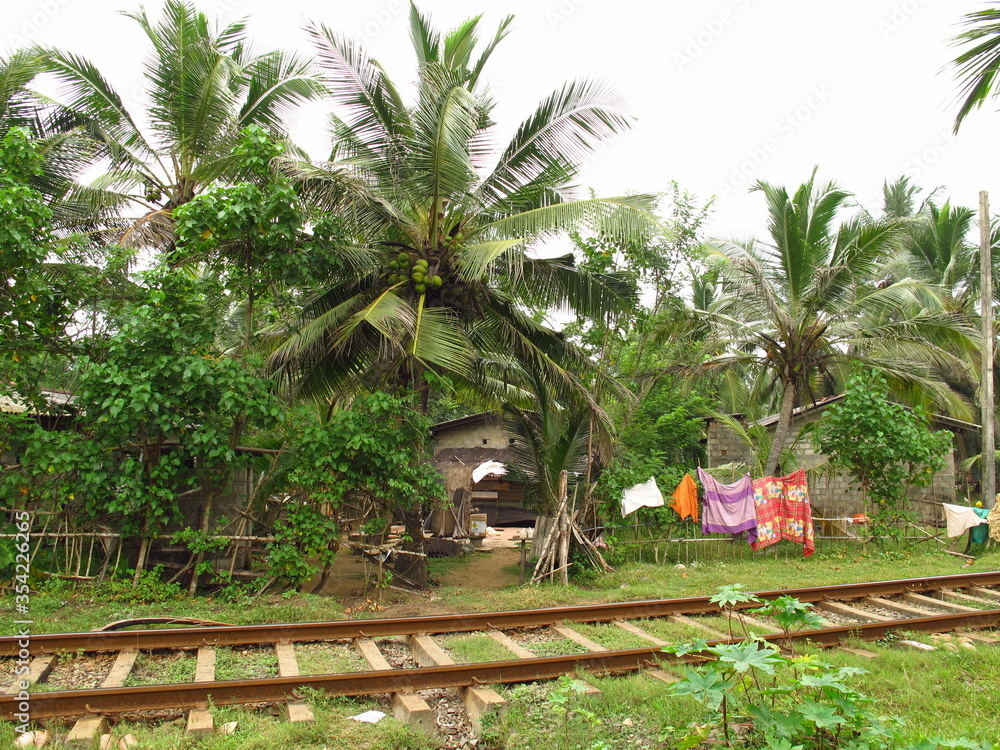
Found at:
[190, 695]
[181, 638]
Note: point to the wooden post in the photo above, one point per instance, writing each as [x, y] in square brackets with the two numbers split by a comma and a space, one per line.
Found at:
[524, 558]
[563, 522]
[988, 461]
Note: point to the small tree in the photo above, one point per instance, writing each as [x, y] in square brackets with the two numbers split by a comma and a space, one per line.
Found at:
[33, 310]
[373, 453]
[886, 447]
[163, 416]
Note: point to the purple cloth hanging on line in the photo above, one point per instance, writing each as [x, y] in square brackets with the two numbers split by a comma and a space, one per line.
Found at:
[728, 508]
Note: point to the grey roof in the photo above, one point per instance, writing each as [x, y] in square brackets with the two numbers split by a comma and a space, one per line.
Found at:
[463, 421]
[11, 403]
[821, 403]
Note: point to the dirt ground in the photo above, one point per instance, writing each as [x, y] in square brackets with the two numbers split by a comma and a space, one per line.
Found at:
[483, 570]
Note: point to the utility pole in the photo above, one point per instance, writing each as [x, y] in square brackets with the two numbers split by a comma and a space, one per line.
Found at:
[988, 484]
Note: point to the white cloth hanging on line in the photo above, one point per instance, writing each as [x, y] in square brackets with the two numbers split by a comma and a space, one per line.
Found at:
[645, 495]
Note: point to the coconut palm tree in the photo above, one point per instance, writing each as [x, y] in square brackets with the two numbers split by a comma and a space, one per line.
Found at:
[440, 277]
[438, 280]
[796, 312]
[204, 86]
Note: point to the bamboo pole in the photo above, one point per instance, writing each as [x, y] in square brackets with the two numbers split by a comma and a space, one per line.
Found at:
[988, 463]
[90, 556]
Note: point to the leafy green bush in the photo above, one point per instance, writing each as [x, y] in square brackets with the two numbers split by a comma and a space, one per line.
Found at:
[885, 446]
[756, 697]
[150, 588]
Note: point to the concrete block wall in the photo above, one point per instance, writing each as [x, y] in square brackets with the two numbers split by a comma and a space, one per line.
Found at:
[473, 436]
[724, 446]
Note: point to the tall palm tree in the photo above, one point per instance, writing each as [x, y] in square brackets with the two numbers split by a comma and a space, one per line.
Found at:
[439, 281]
[204, 86]
[796, 312]
[441, 277]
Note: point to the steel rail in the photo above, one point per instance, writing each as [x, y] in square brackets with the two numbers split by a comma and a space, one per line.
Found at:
[42, 705]
[244, 635]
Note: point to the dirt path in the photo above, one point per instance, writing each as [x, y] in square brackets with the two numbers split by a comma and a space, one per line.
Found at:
[485, 570]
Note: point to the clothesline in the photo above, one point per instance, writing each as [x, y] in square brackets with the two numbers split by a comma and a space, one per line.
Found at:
[767, 510]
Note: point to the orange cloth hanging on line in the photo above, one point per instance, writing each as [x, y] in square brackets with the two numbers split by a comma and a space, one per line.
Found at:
[685, 499]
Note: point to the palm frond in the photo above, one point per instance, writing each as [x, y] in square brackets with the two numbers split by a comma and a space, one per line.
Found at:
[376, 114]
[564, 129]
[89, 95]
[618, 218]
[977, 66]
[276, 84]
[425, 38]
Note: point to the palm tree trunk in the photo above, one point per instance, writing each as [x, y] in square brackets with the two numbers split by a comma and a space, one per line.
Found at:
[781, 430]
[414, 566]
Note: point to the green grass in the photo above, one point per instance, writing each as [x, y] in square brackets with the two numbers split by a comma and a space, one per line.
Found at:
[162, 668]
[939, 693]
[610, 636]
[632, 712]
[944, 694]
[468, 648]
[61, 607]
[721, 624]
[328, 658]
[672, 632]
[641, 581]
[245, 663]
[260, 731]
[555, 647]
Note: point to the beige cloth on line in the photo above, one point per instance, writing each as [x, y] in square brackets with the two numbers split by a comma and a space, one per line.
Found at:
[993, 519]
[960, 519]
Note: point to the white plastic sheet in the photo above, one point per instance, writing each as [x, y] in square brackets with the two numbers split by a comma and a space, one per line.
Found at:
[369, 717]
[645, 495]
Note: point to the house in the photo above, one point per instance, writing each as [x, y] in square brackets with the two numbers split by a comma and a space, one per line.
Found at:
[460, 446]
[833, 492]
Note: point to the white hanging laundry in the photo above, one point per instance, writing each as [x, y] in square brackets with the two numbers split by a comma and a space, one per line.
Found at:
[961, 518]
[645, 495]
[488, 467]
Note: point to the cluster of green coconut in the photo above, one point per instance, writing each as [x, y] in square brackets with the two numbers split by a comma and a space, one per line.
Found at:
[416, 272]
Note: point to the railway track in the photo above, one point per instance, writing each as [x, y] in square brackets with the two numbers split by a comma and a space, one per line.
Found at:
[403, 656]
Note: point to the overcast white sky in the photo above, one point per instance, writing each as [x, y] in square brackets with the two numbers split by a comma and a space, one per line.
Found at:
[725, 92]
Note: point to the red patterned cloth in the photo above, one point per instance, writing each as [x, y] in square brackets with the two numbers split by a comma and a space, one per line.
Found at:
[783, 511]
